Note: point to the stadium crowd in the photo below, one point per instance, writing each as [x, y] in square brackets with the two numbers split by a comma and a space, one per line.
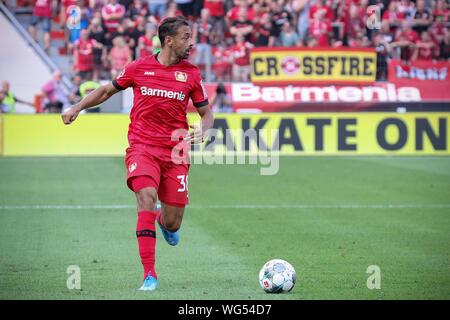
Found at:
[102, 36]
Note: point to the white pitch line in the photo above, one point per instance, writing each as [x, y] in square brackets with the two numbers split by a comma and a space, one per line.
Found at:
[233, 206]
[324, 206]
[69, 207]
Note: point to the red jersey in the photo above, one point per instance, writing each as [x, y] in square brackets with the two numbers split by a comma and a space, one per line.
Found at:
[241, 54]
[321, 30]
[68, 3]
[222, 59]
[410, 35]
[233, 13]
[43, 8]
[316, 7]
[161, 96]
[147, 49]
[216, 8]
[85, 54]
[392, 15]
[110, 10]
[425, 53]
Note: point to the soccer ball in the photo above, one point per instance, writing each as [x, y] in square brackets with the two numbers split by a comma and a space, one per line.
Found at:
[277, 276]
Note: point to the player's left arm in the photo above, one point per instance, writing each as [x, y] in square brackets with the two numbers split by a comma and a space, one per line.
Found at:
[200, 100]
[199, 134]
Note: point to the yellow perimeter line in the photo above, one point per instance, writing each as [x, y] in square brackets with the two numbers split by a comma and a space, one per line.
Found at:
[2, 135]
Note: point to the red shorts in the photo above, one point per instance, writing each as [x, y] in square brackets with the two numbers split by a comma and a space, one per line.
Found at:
[168, 178]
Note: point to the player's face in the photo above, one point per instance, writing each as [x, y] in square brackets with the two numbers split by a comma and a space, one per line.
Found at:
[182, 42]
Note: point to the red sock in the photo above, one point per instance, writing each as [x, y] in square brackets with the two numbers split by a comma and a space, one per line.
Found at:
[158, 216]
[146, 236]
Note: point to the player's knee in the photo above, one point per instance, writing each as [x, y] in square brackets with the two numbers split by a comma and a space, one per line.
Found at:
[172, 225]
[146, 199]
[171, 222]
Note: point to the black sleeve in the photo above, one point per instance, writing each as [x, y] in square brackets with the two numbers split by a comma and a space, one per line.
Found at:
[201, 104]
[117, 86]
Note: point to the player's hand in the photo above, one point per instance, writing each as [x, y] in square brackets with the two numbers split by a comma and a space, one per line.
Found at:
[70, 115]
[195, 135]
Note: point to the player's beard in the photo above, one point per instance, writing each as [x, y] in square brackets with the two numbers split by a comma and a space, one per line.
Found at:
[185, 53]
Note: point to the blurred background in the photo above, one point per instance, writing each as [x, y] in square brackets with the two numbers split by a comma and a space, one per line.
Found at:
[72, 46]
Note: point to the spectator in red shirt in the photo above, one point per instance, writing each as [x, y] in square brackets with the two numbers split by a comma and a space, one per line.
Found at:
[320, 5]
[407, 32]
[239, 5]
[356, 25]
[393, 15]
[136, 29]
[263, 33]
[149, 43]
[83, 55]
[97, 33]
[425, 48]
[241, 59]
[242, 26]
[360, 40]
[217, 14]
[320, 29]
[42, 13]
[407, 8]
[222, 62]
[113, 13]
[405, 41]
[119, 56]
[257, 10]
[441, 13]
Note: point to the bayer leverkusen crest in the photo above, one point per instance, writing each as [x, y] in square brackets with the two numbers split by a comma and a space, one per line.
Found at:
[290, 65]
[180, 76]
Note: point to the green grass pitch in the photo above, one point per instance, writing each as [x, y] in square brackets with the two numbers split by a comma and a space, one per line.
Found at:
[328, 216]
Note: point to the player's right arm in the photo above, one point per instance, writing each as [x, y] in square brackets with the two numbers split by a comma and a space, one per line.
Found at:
[93, 99]
[124, 80]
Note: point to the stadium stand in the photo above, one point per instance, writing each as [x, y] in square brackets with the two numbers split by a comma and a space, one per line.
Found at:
[91, 39]
[18, 46]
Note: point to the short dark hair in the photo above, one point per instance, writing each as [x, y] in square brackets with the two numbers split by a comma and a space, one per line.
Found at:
[169, 27]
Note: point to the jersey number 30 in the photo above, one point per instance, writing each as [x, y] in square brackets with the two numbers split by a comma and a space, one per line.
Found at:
[183, 183]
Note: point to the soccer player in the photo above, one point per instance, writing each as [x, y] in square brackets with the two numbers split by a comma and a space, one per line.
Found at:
[162, 85]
